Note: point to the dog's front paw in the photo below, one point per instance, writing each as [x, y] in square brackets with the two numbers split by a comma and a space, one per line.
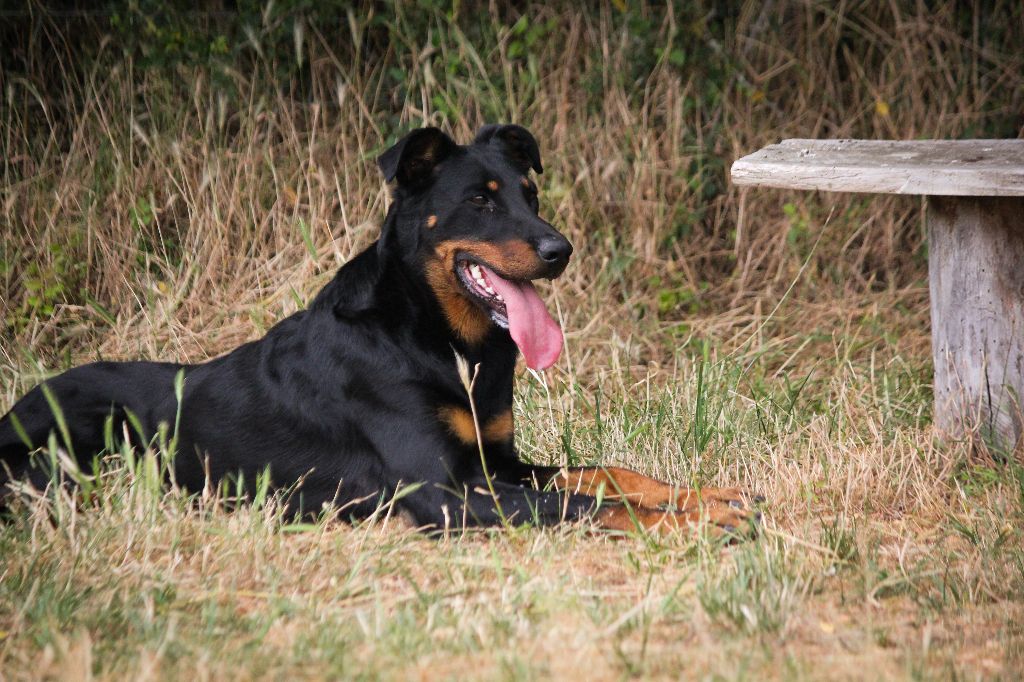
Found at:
[729, 519]
[736, 498]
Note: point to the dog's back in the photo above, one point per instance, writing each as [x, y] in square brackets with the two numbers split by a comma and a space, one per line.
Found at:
[83, 398]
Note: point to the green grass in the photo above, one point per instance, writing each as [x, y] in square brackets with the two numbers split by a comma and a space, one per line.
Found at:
[858, 560]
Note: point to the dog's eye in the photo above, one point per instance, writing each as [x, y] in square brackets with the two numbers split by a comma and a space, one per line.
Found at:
[480, 200]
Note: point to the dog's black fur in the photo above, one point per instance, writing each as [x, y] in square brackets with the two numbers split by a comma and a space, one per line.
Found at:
[359, 395]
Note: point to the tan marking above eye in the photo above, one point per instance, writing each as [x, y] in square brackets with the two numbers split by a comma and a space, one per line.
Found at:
[431, 221]
[492, 185]
[525, 182]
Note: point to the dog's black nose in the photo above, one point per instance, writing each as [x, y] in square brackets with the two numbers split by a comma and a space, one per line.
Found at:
[554, 249]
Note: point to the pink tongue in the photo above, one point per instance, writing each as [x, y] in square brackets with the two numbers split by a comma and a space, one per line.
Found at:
[538, 336]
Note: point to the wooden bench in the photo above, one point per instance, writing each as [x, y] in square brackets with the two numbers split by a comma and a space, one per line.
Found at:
[975, 220]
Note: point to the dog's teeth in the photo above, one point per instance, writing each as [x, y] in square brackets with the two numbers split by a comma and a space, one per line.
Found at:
[481, 282]
[475, 269]
[489, 290]
[498, 296]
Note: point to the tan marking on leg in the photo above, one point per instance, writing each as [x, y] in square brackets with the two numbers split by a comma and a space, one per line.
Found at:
[432, 221]
[734, 496]
[459, 422]
[720, 520]
[641, 490]
[618, 484]
[492, 185]
[499, 428]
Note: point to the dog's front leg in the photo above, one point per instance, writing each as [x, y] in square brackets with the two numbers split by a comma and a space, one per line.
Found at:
[477, 506]
[439, 507]
[717, 519]
[617, 483]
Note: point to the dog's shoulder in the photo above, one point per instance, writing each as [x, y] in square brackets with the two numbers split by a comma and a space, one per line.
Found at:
[353, 290]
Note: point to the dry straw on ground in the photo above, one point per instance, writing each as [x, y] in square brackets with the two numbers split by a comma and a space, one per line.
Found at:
[775, 340]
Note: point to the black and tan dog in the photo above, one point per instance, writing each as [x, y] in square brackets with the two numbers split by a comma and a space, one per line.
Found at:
[359, 395]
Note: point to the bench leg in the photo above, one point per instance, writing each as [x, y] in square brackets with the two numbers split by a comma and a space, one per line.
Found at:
[976, 279]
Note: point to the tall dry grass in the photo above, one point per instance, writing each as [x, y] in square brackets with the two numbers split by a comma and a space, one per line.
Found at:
[160, 194]
[779, 340]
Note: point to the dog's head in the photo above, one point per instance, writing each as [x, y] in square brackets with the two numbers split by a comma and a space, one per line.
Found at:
[465, 216]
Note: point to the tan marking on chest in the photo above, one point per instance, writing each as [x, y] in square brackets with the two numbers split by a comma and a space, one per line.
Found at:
[499, 428]
[459, 422]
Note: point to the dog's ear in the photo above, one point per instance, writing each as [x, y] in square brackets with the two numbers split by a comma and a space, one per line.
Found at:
[516, 142]
[413, 157]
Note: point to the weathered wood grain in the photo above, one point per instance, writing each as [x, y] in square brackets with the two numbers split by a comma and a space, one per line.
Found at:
[976, 271]
[976, 257]
[934, 167]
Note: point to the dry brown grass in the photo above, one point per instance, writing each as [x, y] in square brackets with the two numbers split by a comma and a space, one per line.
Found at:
[775, 340]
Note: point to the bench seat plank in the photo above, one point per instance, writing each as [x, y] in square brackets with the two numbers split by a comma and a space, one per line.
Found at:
[935, 167]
